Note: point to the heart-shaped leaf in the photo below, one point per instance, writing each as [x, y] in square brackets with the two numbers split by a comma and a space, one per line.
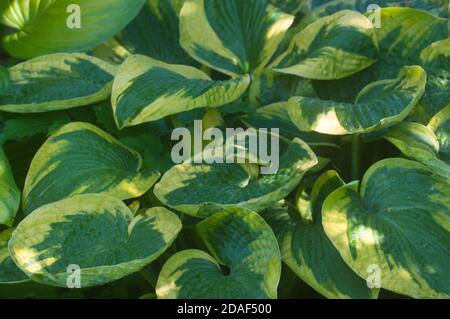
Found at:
[239, 241]
[332, 47]
[378, 105]
[155, 32]
[9, 272]
[56, 82]
[398, 224]
[9, 193]
[79, 159]
[201, 190]
[232, 36]
[95, 234]
[49, 26]
[436, 62]
[147, 90]
[419, 142]
[306, 249]
[403, 34]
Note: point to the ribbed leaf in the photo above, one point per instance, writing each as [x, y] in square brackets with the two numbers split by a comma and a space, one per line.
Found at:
[333, 47]
[403, 34]
[436, 62]
[400, 222]
[56, 82]
[96, 232]
[237, 239]
[440, 125]
[44, 26]
[232, 36]
[289, 6]
[79, 159]
[147, 90]
[307, 250]
[379, 105]
[9, 272]
[203, 189]
[9, 193]
[420, 143]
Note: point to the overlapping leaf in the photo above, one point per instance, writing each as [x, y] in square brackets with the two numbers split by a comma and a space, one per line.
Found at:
[96, 233]
[398, 223]
[9, 272]
[147, 90]
[422, 143]
[232, 36]
[378, 105]
[203, 189]
[306, 249]
[4, 79]
[330, 48]
[56, 82]
[80, 158]
[9, 193]
[239, 241]
[50, 26]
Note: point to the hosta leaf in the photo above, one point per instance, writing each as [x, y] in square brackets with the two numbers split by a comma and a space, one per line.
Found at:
[333, 47]
[436, 61]
[96, 232]
[420, 143]
[79, 159]
[232, 36]
[47, 26]
[289, 6]
[4, 79]
[402, 36]
[379, 105]
[56, 82]
[147, 90]
[155, 32]
[440, 125]
[28, 125]
[203, 189]
[9, 272]
[237, 239]
[400, 222]
[306, 249]
[9, 193]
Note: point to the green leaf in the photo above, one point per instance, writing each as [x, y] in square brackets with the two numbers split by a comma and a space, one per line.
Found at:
[289, 6]
[232, 36]
[436, 61]
[155, 32]
[96, 232]
[9, 273]
[403, 34]
[57, 82]
[9, 193]
[46, 26]
[400, 222]
[306, 249]
[201, 190]
[332, 47]
[4, 79]
[440, 125]
[378, 105]
[21, 126]
[79, 159]
[147, 90]
[420, 143]
[239, 241]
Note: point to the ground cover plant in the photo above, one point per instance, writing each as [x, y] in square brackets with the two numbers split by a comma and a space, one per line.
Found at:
[92, 204]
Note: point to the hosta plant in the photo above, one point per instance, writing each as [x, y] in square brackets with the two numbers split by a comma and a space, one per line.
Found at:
[353, 97]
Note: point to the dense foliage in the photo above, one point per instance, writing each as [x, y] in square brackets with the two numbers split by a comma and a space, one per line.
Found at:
[87, 108]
